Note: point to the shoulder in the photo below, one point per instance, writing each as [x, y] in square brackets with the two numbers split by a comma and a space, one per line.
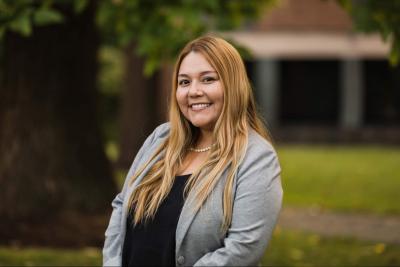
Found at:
[257, 143]
[154, 139]
[159, 134]
[162, 130]
[258, 148]
[260, 160]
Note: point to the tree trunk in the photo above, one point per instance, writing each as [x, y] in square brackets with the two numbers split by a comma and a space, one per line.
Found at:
[137, 112]
[164, 84]
[52, 159]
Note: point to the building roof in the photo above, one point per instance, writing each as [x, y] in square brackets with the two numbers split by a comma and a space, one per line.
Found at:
[305, 15]
[308, 29]
[311, 45]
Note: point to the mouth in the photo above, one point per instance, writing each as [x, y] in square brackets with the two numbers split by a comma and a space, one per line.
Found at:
[199, 106]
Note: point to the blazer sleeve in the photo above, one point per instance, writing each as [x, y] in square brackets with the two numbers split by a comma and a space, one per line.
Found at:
[257, 203]
[112, 243]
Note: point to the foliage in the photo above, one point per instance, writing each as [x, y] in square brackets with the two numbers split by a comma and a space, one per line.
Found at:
[158, 27]
[109, 84]
[378, 16]
[22, 15]
[345, 178]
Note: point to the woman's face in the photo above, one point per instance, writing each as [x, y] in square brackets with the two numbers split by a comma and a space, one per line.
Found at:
[199, 94]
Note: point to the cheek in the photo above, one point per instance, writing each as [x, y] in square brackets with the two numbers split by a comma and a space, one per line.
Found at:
[220, 106]
[219, 97]
[182, 100]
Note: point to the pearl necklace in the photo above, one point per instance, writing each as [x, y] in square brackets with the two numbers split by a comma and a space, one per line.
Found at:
[199, 150]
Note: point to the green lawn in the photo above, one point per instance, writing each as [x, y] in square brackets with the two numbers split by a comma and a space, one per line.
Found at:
[287, 248]
[290, 248]
[49, 257]
[345, 178]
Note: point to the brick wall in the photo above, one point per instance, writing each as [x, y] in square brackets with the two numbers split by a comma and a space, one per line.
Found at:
[305, 15]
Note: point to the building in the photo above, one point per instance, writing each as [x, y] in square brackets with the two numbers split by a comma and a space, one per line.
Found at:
[316, 79]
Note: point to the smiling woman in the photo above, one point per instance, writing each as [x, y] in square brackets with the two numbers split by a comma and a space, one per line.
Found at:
[199, 94]
[205, 189]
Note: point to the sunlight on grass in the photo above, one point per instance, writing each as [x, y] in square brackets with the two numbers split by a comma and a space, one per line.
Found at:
[346, 178]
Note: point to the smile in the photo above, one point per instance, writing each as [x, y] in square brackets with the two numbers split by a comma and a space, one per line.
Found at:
[200, 106]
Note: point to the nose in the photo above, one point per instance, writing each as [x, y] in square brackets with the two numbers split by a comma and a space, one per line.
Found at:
[195, 89]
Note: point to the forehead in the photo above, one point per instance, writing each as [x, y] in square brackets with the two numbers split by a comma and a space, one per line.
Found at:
[194, 63]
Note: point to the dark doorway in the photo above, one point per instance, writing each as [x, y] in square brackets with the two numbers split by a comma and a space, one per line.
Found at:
[309, 92]
[382, 93]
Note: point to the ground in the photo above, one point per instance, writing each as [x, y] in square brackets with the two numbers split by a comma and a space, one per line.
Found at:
[368, 227]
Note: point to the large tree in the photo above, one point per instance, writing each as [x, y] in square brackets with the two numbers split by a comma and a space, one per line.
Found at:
[52, 161]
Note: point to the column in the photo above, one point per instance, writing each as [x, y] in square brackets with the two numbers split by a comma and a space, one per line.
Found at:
[351, 109]
[267, 86]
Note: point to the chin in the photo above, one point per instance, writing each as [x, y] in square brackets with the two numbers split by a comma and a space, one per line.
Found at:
[201, 125]
[198, 125]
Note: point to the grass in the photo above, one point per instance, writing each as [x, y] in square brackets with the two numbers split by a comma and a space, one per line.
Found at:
[292, 248]
[49, 257]
[287, 248]
[343, 178]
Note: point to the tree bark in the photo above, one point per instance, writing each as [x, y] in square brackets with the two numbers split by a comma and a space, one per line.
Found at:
[144, 104]
[137, 112]
[52, 159]
[164, 87]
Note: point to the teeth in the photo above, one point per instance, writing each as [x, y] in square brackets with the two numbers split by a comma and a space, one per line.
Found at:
[200, 106]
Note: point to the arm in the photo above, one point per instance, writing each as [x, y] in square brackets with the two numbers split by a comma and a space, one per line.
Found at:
[256, 207]
[112, 243]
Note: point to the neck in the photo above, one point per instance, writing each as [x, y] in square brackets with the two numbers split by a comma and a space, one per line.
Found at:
[205, 139]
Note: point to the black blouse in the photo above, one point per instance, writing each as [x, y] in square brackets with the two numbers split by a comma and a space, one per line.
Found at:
[152, 243]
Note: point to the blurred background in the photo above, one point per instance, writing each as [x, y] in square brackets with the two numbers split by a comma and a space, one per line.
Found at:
[82, 83]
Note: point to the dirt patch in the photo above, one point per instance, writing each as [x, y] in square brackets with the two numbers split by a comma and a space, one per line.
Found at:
[368, 227]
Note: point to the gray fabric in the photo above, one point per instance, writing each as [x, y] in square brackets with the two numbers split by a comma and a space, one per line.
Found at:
[199, 240]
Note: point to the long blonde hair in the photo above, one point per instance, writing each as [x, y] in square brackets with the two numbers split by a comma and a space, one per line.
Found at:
[230, 133]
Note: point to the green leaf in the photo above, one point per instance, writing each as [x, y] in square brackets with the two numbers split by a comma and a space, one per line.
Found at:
[22, 24]
[80, 5]
[150, 66]
[2, 31]
[3, 5]
[44, 16]
[394, 55]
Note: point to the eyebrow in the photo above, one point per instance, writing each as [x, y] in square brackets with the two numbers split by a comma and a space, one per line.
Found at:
[201, 73]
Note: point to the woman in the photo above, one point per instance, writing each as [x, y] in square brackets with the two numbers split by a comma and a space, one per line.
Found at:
[204, 189]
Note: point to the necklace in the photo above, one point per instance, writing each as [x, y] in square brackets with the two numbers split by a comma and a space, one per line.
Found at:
[199, 150]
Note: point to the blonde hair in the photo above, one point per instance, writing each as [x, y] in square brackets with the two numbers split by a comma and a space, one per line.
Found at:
[230, 133]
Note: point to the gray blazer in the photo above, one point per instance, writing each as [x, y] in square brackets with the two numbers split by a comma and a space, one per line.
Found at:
[199, 241]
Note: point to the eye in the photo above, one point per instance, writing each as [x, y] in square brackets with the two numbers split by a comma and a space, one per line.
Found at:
[183, 82]
[208, 79]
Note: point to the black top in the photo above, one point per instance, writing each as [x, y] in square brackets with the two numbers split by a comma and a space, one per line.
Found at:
[152, 243]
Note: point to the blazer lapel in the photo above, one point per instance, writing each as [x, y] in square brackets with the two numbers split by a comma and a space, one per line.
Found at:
[188, 212]
[185, 219]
